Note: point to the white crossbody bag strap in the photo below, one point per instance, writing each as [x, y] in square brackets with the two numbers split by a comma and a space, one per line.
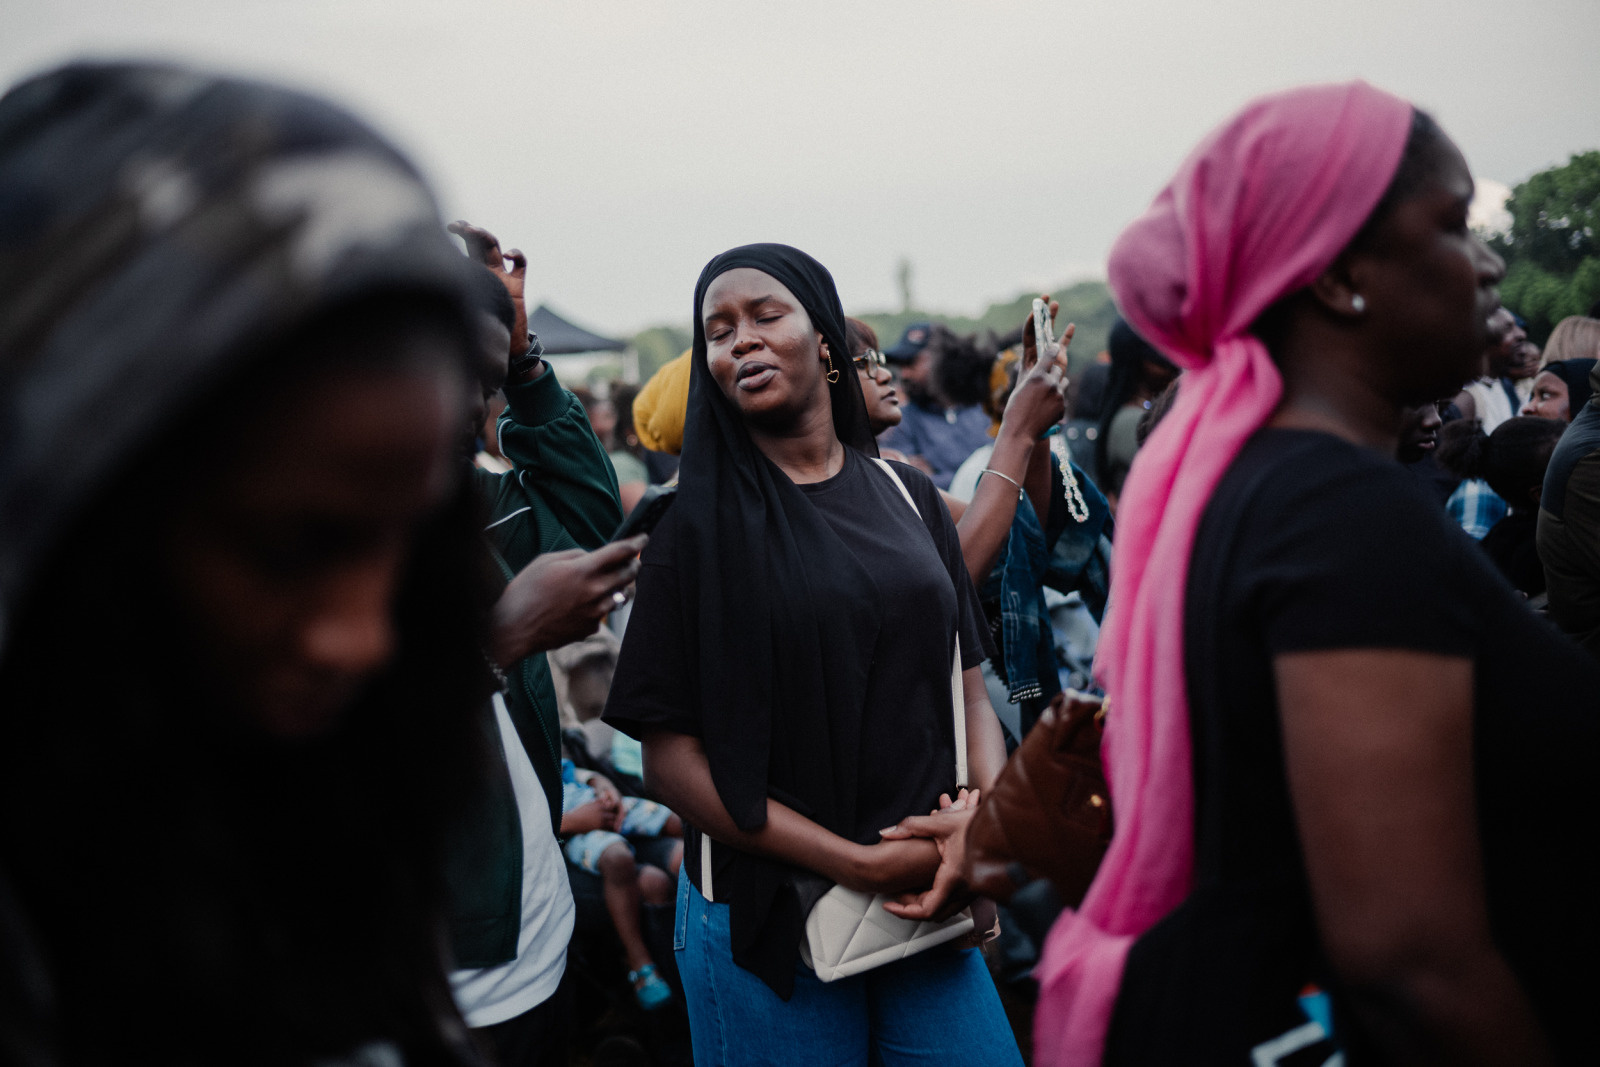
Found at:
[705, 866]
[958, 696]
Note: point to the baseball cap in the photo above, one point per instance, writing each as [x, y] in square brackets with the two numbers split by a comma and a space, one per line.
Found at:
[912, 342]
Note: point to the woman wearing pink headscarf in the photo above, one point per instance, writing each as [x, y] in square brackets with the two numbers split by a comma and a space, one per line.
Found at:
[1343, 819]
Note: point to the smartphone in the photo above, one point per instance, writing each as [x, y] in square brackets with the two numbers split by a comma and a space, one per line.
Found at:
[1044, 337]
[644, 516]
[1044, 340]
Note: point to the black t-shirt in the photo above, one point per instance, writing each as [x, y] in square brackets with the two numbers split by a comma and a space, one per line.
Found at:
[920, 585]
[1512, 543]
[1312, 543]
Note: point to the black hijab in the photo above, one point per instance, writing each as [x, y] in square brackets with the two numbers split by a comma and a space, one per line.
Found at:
[1129, 354]
[781, 683]
[1576, 373]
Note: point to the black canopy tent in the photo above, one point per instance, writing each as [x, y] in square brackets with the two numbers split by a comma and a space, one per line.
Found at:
[560, 337]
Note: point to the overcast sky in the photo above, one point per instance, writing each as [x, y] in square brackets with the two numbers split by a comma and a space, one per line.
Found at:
[997, 145]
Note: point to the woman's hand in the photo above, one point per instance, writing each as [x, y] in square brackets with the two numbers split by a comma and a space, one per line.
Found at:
[1030, 343]
[1038, 401]
[947, 829]
[965, 798]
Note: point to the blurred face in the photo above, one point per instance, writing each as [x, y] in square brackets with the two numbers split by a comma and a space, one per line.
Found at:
[1550, 399]
[917, 377]
[762, 350]
[588, 686]
[1419, 431]
[287, 564]
[493, 358]
[1429, 285]
[1525, 364]
[603, 418]
[1508, 342]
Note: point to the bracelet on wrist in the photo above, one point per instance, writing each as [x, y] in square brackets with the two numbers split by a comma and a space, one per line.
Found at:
[990, 470]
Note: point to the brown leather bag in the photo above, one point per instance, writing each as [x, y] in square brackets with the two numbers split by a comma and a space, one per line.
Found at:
[1049, 810]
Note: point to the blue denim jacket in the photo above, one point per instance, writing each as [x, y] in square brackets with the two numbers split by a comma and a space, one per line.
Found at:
[1070, 557]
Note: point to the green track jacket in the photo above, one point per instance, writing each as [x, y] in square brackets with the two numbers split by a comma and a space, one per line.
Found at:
[561, 493]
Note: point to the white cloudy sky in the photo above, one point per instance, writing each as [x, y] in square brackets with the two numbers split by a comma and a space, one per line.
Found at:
[998, 145]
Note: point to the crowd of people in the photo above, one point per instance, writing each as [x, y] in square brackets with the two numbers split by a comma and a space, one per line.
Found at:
[365, 702]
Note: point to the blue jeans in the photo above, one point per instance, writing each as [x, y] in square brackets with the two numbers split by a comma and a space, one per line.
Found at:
[934, 1009]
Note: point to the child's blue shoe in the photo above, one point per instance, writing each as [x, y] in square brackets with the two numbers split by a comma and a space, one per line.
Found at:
[649, 988]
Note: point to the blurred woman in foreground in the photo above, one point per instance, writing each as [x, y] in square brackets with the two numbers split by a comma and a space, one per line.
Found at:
[242, 611]
[1348, 766]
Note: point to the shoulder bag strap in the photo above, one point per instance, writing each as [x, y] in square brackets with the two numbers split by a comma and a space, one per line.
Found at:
[958, 695]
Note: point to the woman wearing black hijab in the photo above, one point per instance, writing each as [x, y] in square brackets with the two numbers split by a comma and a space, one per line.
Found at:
[787, 667]
[1560, 390]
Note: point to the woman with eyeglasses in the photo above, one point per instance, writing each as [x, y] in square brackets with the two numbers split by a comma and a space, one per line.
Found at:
[877, 384]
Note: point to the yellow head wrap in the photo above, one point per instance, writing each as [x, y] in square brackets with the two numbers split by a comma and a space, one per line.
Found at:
[660, 407]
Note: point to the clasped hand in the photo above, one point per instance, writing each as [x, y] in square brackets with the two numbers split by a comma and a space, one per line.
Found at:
[947, 829]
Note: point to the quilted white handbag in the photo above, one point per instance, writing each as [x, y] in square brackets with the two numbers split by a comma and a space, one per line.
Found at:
[848, 930]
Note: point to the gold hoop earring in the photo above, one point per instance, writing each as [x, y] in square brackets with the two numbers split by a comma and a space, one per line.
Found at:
[833, 375]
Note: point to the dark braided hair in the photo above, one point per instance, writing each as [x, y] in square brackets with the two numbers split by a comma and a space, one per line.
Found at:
[961, 366]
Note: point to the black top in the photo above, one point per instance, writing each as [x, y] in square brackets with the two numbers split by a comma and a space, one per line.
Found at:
[1440, 483]
[1309, 543]
[778, 670]
[1511, 544]
[1569, 527]
[897, 754]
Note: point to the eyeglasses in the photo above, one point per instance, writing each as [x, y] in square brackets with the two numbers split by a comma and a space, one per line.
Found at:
[870, 361]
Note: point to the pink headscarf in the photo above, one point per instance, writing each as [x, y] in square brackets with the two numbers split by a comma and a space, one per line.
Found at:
[1257, 211]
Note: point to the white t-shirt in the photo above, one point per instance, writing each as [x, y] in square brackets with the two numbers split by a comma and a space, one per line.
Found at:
[964, 483]
[1494, 406]
[491, 995]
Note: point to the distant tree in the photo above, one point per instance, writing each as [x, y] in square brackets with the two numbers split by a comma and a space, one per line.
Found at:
[657, 345]
[1552, 250]
[902, 276]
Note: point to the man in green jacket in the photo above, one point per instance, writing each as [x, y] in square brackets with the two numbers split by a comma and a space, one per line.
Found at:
[548, 520]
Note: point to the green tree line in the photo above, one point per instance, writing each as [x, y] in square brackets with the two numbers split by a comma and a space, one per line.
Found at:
[1552, 250]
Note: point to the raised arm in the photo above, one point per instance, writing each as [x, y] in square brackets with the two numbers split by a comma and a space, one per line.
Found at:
[545, 432]
[1020, 461]
[546, 435]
